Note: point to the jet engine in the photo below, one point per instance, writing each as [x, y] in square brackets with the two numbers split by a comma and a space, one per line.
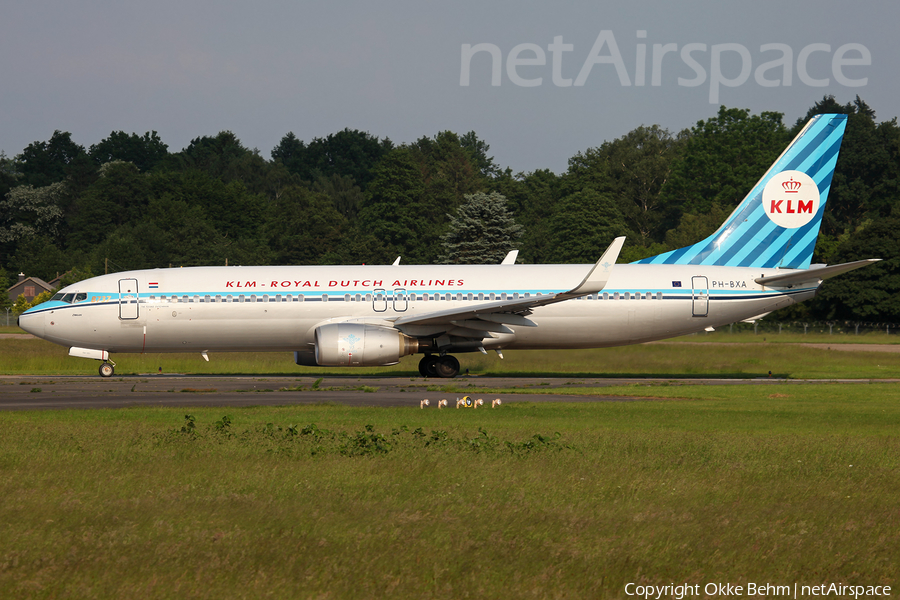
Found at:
[361, 345]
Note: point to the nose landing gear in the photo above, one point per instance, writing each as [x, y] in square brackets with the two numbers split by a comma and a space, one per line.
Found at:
[107, 369]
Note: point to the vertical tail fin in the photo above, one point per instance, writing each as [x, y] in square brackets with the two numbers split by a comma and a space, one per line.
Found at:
[777, 223]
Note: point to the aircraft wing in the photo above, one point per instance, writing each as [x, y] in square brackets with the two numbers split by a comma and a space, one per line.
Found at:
[796, 276]
[480, 320]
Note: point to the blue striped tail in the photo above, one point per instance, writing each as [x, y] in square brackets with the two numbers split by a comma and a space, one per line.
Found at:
[777, 223]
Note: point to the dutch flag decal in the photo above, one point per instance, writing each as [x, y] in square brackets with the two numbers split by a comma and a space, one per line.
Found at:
[153, 285]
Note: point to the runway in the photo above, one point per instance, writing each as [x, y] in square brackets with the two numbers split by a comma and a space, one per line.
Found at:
[24, 392]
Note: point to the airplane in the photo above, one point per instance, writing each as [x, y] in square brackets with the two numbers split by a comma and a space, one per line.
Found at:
[373, 315]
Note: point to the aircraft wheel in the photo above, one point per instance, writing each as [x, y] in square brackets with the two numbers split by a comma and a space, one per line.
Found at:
[447, 366]
[428, 366]
[106, 370]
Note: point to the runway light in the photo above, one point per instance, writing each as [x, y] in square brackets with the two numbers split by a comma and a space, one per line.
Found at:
[442, 403]
[496, 403]
[465, 402]
[423, 403]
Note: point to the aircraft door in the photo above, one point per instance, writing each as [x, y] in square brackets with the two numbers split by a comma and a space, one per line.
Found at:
[700, 296]
[128, 299]
[401, 301]
[379, 300]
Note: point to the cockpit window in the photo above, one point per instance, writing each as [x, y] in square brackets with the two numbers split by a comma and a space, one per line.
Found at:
[80, 297]
[68, 298]
[56, 297]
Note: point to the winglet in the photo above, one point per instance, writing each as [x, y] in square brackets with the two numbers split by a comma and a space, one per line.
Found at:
[599, 275]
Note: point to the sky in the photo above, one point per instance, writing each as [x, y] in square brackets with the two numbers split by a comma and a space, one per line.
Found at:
[538, 81]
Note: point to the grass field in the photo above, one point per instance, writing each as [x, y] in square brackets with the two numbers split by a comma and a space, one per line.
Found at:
[777, 484]
[726, 484]
[717, 355]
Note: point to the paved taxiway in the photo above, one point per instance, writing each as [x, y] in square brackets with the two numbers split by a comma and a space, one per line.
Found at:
[24, 392]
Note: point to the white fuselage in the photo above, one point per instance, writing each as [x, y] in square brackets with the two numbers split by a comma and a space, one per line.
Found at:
[255, 309]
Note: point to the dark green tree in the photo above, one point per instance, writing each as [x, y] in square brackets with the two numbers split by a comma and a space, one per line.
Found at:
[343, 191]
[9, 174]
[478, 151]
[533, 199]
[28, 212]
[291, 152]
[144, 151]
[307, 229]
[483, 231]
[396, 210]
[721, 161]
[866, 183]
[634, 169]
[43, 163]
[4, 298]
[120, 195]
[584, 225]
[223, 157]
[349, 153]
[39, 256]
[871, 293]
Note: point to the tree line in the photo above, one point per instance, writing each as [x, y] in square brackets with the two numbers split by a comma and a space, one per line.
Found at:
[128, 202]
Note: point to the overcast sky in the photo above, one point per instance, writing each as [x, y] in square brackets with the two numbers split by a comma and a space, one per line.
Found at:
[570, 73]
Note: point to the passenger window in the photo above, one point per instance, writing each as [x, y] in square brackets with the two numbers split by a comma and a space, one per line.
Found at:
[299, 297]
[324, 297]
[241, 298]
[346, 297]
[659, 295]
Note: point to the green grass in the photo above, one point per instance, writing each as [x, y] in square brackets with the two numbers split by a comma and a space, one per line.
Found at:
[776, 483]
[33, 356]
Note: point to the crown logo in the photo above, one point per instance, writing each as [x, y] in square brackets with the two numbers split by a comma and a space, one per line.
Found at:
[790, 186]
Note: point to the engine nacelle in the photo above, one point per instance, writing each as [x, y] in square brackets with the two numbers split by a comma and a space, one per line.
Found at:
[361, 345]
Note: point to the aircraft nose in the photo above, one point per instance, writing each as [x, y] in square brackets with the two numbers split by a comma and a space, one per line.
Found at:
[33, 323]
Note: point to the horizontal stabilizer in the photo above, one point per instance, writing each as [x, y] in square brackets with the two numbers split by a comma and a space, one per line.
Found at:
[804, 275]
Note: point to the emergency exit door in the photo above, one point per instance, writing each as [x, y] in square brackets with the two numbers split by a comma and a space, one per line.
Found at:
[700, 296]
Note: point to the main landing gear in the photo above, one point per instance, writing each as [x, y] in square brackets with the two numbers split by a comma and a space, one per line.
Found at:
[107, 369]
[439, 366]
